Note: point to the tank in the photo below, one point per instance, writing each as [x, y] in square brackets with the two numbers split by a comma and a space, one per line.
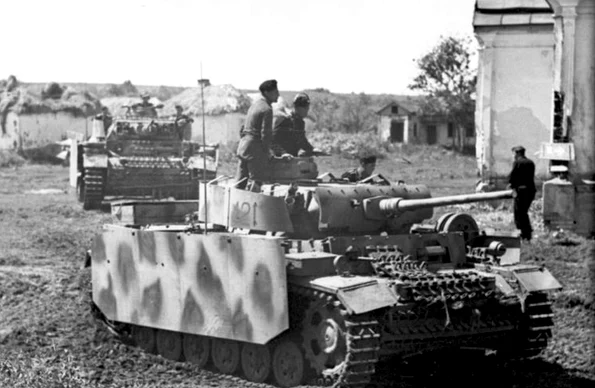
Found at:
[139, 157]
[315, 281]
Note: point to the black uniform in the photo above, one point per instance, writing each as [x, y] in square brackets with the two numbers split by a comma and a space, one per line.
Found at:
[107, 120]
[289, 135]
[355, 175]
[184, 125]
[144, 109]
[255, 140]
[521, 179]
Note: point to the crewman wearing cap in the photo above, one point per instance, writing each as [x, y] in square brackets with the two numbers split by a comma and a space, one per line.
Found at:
[254, 149]
[521, 180]
[365, 169]
[289, 129]
[183, 123]
[144, 108]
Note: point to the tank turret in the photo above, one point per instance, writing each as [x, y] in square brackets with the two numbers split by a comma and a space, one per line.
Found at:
[336, 209]
[314, 282]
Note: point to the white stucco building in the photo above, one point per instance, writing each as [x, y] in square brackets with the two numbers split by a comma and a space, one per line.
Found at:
[515, 86]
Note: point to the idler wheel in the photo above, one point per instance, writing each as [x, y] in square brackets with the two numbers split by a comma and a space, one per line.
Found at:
[256, 362]
[196, 349]
[323, 332]
[225, 355]
[288, 364]
[169, 344]
[145, 338]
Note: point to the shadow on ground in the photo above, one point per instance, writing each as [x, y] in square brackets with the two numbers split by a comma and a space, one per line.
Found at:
[458, 370]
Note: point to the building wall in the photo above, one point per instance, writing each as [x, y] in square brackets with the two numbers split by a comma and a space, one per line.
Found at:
[384, 125]
[514, 96]
[33, 131]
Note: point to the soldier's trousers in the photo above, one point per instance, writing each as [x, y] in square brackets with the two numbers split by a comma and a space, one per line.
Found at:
[522, 202]
[253, 163]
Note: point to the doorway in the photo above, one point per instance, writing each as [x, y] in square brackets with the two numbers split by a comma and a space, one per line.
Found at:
[431, 134]
[396, 131]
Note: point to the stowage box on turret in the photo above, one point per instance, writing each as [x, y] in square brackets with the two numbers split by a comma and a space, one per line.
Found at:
[315, 282]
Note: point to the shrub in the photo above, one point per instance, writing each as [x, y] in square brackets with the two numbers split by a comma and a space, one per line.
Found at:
[350, 145]
[10, 158]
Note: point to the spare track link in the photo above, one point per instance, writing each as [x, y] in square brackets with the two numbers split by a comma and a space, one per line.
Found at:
[94, 179]
[363, 343]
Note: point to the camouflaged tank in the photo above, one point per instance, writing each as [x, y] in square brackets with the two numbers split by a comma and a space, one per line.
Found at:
[139, 157]
[316, 281]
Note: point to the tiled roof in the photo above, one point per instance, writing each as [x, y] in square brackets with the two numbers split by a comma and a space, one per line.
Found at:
[512, 12]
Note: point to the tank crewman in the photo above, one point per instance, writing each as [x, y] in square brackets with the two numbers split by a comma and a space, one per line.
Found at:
[365, 169]
[106, 117]
[289, 129]
[255, 137]
[522, 181]
[144, 108]
[183, 123]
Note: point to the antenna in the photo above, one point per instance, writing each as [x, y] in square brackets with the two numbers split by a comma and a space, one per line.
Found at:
[204, 82]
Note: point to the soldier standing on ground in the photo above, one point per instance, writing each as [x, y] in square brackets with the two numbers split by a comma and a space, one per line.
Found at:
[289, 129]
[255, 137]
[521, 180]
[183, 123]
[365, 170]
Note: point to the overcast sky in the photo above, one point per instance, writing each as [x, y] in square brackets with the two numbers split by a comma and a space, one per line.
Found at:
[342, 45]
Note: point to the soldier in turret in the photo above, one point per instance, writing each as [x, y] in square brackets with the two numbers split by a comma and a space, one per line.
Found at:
[521, 180]
[144, 108]
[365, 169]
[106, 117]
[254, 149]
[289, 129]
[183, 123]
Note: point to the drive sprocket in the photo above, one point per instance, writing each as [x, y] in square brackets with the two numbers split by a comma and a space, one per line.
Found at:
[341, 348]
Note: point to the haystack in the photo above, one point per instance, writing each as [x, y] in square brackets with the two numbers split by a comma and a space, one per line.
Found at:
[219, 100]
[116, 104]
[79, 104]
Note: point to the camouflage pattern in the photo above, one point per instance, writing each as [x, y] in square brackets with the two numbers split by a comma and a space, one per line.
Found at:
[344, 273]
[211, 285]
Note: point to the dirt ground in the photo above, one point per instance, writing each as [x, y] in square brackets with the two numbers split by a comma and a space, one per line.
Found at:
[48, 338]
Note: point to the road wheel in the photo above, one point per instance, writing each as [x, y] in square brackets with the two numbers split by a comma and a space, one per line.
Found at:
[288, 364]
[256, 362]
[169, 344]
[196, 349]
[225, 355]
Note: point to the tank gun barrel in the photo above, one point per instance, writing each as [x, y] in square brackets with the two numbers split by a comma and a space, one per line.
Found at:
[395, 205]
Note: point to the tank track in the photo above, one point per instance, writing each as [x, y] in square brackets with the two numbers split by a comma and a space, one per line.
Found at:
[534, 326]
[362, 341]
[93, 189]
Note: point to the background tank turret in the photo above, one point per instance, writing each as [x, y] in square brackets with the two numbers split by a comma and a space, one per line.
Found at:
[315, 282]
